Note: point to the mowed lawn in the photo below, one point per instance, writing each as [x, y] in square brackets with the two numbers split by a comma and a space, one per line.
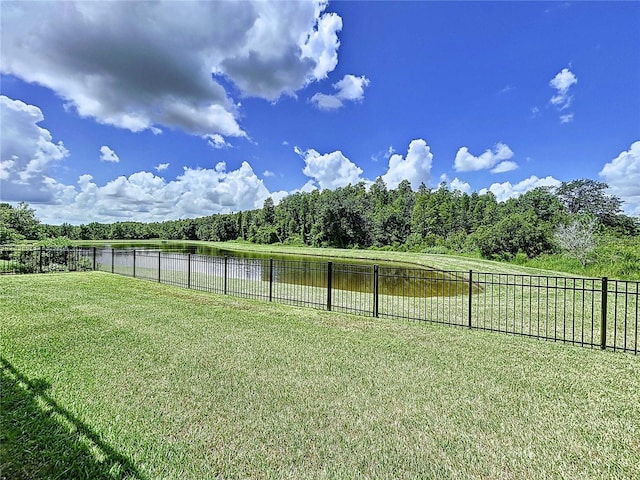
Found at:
[110, 377]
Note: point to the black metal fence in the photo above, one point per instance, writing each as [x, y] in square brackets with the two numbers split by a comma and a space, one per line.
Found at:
[19, 259]
[595, 312]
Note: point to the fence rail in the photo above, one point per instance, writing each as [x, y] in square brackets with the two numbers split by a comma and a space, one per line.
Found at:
[594, 312]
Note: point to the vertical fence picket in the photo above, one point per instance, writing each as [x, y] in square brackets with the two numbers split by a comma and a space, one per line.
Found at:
[626, 304]
[376, 286]
[271, 279]
[470, 306]
[188, 270]
[615, 314]
[603, 313]
[329, 277]
[635, 347]
[226, 269]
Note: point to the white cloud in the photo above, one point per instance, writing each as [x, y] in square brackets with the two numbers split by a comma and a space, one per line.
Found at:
[350, 88]
[309, 186]
[566, 118]
[622, 174]
[326, 102]
[108, 155]
[143, 65]
[288, 45]
[27, 153]
[390, 151]
[415, 167]
[563, 82]
[217, 141]
[331, 170]
[146, 197]
[268, 173]
[457, 184]
[466, 162]
[321, 45]
[505, 166]
[506, 190]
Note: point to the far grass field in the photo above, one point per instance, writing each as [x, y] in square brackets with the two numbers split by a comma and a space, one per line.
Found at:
[105, 376]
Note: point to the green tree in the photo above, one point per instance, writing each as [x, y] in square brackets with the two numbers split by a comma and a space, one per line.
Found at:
[268, 212]
[8, 236]
[19, 222]
[515, 233]
[403, 201]
[541, 200]
[379, 200]
[419, 218]
[342, 220]
[588, 197]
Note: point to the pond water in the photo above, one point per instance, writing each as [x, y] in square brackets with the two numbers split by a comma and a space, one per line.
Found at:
[346, 274]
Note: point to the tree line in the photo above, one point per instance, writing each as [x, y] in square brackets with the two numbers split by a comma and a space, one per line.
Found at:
[543, 220]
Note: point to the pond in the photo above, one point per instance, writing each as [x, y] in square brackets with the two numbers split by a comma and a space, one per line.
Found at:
[346, 274]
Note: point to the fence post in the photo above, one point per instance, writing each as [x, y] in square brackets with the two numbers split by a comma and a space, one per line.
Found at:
[188, 270]
[470, 294]
[158, 266]
[134, 263]
[112, 261]
[225, 273]
[376, 279]
[271, 279]
[329, 275]
[40, 261]
[94, 258]
[603, 313]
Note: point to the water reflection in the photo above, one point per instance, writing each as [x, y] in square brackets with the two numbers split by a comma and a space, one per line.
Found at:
[392, 280]
[349, 275]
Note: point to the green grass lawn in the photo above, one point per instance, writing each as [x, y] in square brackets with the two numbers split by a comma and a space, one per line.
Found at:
[105, 376]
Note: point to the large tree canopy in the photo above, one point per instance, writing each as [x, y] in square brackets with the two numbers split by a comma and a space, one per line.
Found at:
[18, 223]
[588, 197]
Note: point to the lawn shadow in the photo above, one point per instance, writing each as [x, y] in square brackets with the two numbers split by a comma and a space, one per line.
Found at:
[40, 439]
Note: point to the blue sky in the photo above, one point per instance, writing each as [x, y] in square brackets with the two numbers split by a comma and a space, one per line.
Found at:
[141, 111]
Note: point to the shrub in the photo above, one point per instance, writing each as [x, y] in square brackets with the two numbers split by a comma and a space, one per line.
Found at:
[514, 233]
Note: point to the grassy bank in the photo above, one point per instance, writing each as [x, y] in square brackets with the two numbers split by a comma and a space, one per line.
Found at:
[615, 258]
[110, 377]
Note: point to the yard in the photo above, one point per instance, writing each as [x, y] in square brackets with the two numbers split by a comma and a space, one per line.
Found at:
[105, 376]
